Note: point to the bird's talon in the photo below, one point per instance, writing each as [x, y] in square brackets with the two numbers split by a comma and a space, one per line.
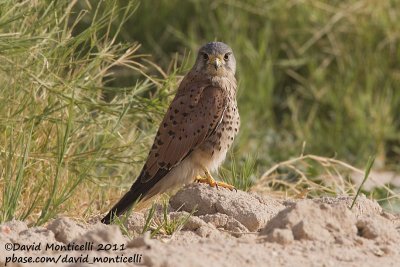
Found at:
[208, 179]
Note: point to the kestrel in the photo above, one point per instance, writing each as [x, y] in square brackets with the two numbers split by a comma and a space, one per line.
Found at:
[196, 132]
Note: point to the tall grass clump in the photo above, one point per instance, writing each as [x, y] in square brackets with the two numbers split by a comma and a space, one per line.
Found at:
[64, 130]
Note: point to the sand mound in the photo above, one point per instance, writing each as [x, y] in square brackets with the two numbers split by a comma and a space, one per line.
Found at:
[249, 209]
[308, 220]
[228, 229]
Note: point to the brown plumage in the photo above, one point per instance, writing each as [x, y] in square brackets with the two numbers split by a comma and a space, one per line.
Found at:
[196, 132]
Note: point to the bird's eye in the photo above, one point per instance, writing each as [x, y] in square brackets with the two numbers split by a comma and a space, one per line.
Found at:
[226, 56]
[205, 56]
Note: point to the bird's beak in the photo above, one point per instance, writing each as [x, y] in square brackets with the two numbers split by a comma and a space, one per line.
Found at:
[215, 61]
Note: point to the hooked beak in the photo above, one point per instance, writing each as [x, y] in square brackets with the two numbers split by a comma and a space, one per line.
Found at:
[215, 61]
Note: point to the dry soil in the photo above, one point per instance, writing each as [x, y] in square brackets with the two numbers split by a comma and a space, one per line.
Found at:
[228, 229]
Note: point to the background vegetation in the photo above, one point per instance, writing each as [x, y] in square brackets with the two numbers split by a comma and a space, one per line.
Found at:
[84, 84]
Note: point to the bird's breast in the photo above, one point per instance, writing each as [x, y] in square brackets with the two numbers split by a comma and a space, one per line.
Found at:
[213, 151]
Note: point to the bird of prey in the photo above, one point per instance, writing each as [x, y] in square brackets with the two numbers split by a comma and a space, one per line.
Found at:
[195, 133]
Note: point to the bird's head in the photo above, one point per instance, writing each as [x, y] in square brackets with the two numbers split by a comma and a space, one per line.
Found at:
[216, 59]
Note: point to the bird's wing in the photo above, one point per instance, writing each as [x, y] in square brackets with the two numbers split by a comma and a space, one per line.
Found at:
[191, 118]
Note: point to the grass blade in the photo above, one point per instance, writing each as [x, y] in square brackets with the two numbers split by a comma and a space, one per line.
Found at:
[368, 168]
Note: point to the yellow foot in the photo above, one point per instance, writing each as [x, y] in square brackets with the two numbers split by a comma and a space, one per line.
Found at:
[210, 180]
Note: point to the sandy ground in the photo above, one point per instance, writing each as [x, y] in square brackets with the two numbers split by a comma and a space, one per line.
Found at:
[228, 229]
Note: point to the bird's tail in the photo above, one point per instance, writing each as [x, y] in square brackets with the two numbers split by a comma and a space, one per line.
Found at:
[122, 205]
[139, 191]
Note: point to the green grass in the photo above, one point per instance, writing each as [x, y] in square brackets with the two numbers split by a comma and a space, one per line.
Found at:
[370, 163]
[241, 175]
[84, 85]
[161, 223]
[60, 139]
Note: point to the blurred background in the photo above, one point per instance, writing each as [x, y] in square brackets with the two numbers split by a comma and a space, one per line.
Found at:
[321, 72]
[85, 84]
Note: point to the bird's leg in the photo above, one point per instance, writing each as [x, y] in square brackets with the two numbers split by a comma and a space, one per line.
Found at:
[208, 179]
